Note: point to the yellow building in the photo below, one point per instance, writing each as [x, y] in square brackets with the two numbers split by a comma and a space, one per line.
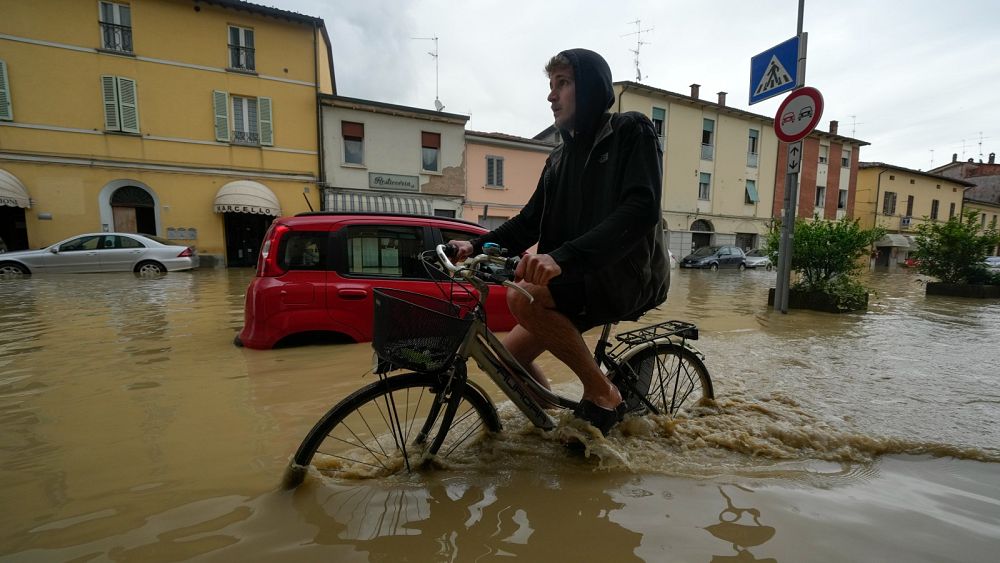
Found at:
[195, 120]
[898, 199]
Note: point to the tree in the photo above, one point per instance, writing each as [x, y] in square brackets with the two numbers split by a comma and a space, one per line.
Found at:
[827, 255]
[955, 251]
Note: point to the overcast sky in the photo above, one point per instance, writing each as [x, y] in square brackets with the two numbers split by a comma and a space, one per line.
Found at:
[908, 76]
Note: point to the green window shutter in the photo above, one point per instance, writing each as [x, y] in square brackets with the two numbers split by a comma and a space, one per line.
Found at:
[6, 110]
[128, 104]
[264, 116]
[110, 88]
[660, 114]
[499, 171]
[220, 101]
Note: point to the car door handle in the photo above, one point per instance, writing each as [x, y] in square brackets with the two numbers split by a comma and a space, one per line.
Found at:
[352, 294]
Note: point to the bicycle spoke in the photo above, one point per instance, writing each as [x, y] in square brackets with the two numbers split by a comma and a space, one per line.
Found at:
[416, 409]
[402, 438]
[359, 444]
[372, 432]
[465, 436]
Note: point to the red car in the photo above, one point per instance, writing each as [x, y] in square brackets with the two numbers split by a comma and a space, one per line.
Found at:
[316, 271]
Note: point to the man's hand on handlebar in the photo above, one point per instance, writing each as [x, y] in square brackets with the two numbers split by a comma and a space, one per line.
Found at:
[463, 249]
[538, 269]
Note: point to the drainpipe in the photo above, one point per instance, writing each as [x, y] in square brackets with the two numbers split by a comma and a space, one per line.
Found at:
[878, 189]
[321, 192]
[620, 94]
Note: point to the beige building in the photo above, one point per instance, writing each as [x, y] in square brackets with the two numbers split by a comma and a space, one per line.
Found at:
[387, 158]
[898, 199]
[502, 173]
[194, 121]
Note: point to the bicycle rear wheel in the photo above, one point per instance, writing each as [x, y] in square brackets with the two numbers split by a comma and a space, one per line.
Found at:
[670, 376]
[394, 425]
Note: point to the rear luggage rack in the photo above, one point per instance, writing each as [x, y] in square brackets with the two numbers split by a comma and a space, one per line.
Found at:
[657, 331]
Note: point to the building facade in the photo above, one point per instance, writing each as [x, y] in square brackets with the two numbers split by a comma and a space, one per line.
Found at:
[110, 122]
[899, 199]
[387, 158]
[503, 171]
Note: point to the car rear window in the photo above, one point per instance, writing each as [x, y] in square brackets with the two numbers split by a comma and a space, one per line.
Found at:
[377, 250]
[304, 250]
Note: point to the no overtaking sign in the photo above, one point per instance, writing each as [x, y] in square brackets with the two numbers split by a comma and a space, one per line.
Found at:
[799, 114]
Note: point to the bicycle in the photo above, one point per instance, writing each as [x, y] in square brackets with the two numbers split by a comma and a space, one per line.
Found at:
[435, 408]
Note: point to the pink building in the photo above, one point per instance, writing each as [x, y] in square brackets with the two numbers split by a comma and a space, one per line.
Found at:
[501, 174]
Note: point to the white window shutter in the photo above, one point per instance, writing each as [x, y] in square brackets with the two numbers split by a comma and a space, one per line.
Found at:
[129, 105]
[6, 109]
[266, 127]
[110, 88]
[220, 101]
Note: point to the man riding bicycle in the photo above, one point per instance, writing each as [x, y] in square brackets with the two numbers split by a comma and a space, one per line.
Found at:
[595, 216]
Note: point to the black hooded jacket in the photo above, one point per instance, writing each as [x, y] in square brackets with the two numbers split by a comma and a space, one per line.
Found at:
[596, 209]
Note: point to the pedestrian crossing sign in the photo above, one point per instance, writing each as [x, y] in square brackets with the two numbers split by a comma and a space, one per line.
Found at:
[775, 71]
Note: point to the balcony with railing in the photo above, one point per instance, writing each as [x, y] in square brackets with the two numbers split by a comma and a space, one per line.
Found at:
[241, 58]
[250, 138]
[117, 37]
[752, 158]
[707, 151]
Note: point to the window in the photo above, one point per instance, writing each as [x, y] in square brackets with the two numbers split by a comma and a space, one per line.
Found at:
[750, 196]
[250, 117]
[934, 209]
[845, 158]
[820, 196]
[983, 222]
[951, 210]
[752, 148]
[444, 213]
[494, 171]
[842, 199]
[431, 151]
[659, 116]
[121, 109]
[889, 203]
[704, 186]
[90, 242]
[354, 142]
[909, 206]
[912, 181]
[241, 53]
[304, 250]
[824, 153]
[6, 108]
[116, 27]
[385, 251]
[707, 137]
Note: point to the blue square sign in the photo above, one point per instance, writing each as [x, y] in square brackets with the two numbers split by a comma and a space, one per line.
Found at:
[774, 71]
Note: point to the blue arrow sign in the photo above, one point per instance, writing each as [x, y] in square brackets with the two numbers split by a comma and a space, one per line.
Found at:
[774, 71]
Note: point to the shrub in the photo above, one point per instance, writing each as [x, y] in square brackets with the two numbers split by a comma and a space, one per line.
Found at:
[825, 250]
[954, 251]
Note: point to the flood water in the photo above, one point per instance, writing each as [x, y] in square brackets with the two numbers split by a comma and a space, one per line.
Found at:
[131, 429]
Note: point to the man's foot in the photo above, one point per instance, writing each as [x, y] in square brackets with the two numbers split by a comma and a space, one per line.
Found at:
[599, 417]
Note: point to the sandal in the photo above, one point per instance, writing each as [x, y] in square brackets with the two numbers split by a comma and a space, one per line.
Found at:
[599, 417]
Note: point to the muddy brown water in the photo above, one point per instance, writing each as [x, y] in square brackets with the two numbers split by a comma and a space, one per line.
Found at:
[132, 430]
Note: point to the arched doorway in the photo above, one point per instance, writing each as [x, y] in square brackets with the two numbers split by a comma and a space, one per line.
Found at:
[701, 234]
[13, 201]
[132, 210]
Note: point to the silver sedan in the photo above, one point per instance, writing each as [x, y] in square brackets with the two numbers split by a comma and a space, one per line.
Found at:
[101, 252]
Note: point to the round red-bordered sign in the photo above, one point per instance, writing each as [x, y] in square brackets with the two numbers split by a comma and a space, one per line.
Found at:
[799, 114]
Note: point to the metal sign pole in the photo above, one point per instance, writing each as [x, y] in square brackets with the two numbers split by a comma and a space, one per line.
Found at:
[787, 243]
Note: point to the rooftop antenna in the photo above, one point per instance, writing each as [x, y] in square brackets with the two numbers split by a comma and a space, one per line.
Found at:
[854, 125]
[932, 160]
[437, 100]
[638, 45]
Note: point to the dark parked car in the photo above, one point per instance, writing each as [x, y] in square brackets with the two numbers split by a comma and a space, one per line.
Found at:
[316, 272]
[715, 257]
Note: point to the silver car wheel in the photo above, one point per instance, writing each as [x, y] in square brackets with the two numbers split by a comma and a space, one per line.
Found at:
[11, 270]
[150, 269]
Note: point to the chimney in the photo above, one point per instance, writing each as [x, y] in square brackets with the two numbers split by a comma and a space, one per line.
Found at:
[993, 158]
[722, 98]
[694, 90]
[954, 157]
[833, 126]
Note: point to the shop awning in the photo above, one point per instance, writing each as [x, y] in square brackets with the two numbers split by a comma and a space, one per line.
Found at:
[894, 240]
[12, 191]
[247, 196]
[378, 203]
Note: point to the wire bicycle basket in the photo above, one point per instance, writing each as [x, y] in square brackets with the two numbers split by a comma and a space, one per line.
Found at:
[416, 331]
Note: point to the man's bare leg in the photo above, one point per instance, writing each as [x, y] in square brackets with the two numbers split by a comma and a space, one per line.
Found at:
[552, 331]
[526, 348]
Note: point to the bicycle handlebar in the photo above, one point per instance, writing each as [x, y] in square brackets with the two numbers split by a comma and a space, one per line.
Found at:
[446, 251]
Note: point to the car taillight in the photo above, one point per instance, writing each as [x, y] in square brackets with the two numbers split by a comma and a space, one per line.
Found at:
[187, 252]
[267, 262]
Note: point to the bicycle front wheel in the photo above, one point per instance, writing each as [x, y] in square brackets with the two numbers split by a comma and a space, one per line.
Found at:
[395, 425]
[672, 378]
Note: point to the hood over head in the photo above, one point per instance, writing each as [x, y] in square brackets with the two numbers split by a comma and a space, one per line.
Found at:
[594, 94]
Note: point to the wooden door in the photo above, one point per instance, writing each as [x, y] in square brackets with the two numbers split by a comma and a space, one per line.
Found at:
[124, 219]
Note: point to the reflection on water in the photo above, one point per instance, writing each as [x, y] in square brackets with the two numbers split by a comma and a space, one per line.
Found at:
[131, 429]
